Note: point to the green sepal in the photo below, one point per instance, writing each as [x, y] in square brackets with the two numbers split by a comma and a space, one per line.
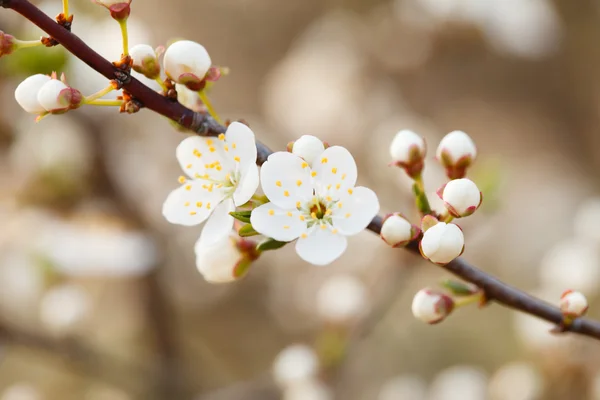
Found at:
[243, 216]
[459, 288]
[247, 231]
[270, 244]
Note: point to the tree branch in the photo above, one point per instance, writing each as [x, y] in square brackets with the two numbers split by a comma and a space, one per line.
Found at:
[204, 125]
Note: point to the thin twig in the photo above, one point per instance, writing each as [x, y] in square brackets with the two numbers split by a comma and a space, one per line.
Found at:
[204, 125]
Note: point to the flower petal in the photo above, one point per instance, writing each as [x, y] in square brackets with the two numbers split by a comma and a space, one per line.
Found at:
[335, 170]
[285, 179]
[274, 222]
[218, 225]
[191, 204]
[200, 155]
[241, 143]
[321, 246]
[247, 185]
[355, 210]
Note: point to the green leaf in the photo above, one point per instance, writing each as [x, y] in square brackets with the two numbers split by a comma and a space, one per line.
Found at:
[243, 216]
[270, 244]
[247, 231]
[459, 288]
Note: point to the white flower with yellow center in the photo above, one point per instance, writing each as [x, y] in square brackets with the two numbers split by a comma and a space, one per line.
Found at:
[222, 174]
[319, 206]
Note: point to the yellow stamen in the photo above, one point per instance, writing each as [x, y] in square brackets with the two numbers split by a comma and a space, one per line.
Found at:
[323, 227]
[182, 179]
[209, 142]
[313, 174]
[212, 149]
[335, 231]
[298, 204]
[286, 227]
[208, 206]
[343, 176]
[324, 160]
[289, 214]
[304, 164]
[188, 166]
[328, 198]
[187, 203]
[271, 212]
[313, 215]
[278, 183]
[302, 218]
[236, 158]
[221, 136]
[193, 213]
[199, 204]
[348, 215]
[197, 153]
[338, 186]
[340, 204]
[299, 183]
[286, 193]
[304, 236]
[328, 212]
[334, 170]
[188, 187]
[350, 191]
[233, 145]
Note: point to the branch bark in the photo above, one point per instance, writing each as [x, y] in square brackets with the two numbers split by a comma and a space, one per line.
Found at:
[204, 125]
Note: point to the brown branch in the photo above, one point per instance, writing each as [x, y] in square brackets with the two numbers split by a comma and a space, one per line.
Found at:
[203, 124]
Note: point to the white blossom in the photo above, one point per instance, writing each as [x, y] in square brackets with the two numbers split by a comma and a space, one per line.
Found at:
[319, 206]
[145, 60]
[397, 231]
[442, 243]
[573, 304]
[222, 175]
[224, 261]
[342, 298]
[56, 97]
[295, 363]
[26, 93]
[408, 151]
[187, 62]
[308, 147]
[461, 197]
[456, 152]
[431, 306]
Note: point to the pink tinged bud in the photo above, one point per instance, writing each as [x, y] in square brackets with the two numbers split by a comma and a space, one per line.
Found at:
[26, 93]
[308, 147]
[145, 61]
[56, 97]
[442, 243]
[7, 44]
[187, 62]
[397, 231]
[456, 152]
[431, 306]
[461, 197]
[119, 9]
[573, 304]
[408, 151]
[226, 260]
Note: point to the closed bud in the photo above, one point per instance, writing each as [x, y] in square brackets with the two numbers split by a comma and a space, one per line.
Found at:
[461, 197]
[145, 61]
[7, 44]
[431, 306]
[308, 147]
[26, 93]
[456, 152]
[442, 243]
[187, 62]
[226, 260]
[119, 9]
[397, 231]
[573, 304]
[56, 97]
[408, 151]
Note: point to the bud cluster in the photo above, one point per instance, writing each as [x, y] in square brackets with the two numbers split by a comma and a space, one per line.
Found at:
[41, 94]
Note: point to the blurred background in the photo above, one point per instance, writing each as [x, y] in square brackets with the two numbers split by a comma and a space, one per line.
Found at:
[100, 298]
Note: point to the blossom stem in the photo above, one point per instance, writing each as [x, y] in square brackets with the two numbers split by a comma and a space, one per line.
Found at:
[209, 106]
[25, 44]
[97, 95]
[125, 36]
[447, 217]
[466, 300]
[104, 103]
[420, 196]
[66, 8]
[161, 83]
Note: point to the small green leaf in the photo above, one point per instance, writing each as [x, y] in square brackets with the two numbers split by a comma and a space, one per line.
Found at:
[243, 216]
[459, 288]
[270, 244]
[247, 231]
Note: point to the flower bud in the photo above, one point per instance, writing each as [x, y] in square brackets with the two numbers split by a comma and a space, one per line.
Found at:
[145, 61]
[442, 243]
[56, 97]
[226, 260]
[26, 93]
[187, 62]
[119, 9]
[431, 306]
[397, 231]
[308, 147]
[408, 151]
[456, 152]
[461, 197]
[295, 363]
[573, 304]
[7, 44]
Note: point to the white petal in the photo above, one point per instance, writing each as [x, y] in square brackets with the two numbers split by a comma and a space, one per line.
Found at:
[355, 211]
[274, 222]
[27, 91]
[321, 246]
[240, 140]
[190, 204]
[217, 262]
[219, 224]
[308, 147]
[285, 179]
[186, 57]
[49, 95]
[247, 185]
[336, 170]
[198, 156]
